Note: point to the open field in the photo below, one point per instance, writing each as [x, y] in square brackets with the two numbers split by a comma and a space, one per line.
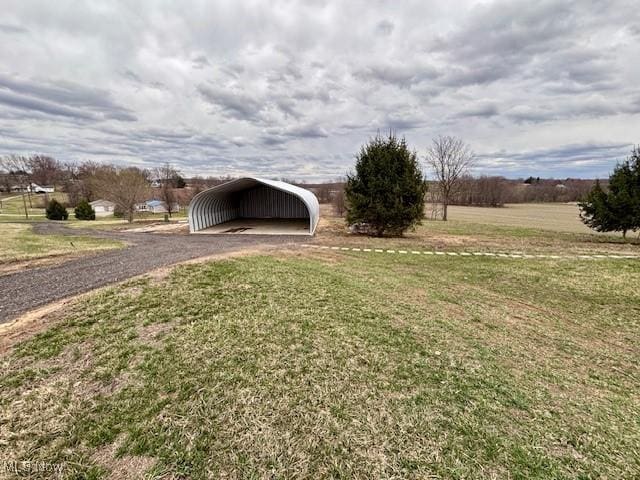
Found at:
[20, 246]
[560, 217]
[314, 363]
[469, 232]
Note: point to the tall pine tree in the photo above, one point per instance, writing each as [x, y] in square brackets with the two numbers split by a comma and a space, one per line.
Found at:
[387, 190]
[618, 209]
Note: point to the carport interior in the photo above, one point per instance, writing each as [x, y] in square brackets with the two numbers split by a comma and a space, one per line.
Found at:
[253, 209]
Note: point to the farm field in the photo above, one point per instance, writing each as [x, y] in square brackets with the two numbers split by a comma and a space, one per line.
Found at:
[479, 229]
[560, 217]
[313, 363]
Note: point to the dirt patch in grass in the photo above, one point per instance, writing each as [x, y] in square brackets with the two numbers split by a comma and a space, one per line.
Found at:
[31, 323]
[121, 467]
[151, 334]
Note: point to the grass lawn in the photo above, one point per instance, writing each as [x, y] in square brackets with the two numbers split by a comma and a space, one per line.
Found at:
[320, 364]
[12, 210]
[12, 207]
[20, 243]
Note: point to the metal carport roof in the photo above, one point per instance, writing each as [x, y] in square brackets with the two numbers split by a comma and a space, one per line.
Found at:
[215, 205]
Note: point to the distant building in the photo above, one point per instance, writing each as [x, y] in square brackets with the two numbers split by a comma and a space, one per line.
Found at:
[33, 188]
[156, 206]
[103, 208]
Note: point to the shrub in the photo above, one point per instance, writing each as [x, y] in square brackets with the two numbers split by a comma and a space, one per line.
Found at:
[56, 211]
[386, 193]
[84, 211]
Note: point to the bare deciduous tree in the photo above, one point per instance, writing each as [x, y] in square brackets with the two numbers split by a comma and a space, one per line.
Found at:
[166, 176]
[339, 203]
[125, 187]
[45, 170]
[449, 158]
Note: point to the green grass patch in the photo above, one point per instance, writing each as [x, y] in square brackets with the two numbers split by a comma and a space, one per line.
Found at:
[12, 206]
[339, 365]
[19, 243]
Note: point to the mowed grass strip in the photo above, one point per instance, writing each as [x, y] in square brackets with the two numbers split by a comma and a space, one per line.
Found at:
[18, 242]
[339, 365]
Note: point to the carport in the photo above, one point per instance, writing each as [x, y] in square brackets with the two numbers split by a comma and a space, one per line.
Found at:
[254, 206]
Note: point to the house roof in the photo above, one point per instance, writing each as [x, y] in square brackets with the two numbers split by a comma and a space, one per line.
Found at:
[102, 202]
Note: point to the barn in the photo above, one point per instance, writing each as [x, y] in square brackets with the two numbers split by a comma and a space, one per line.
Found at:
[254, 205]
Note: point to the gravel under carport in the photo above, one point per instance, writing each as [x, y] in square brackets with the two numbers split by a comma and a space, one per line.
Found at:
[32, 288]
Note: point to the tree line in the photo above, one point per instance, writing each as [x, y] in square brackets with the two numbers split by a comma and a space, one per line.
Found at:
[125, 186]
[387, 192]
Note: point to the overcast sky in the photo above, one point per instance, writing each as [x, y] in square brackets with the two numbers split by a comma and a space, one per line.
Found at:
[283, 88]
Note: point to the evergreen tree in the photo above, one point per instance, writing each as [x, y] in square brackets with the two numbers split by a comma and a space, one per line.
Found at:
[387, 191]
[56, 211]
[84, 211]
[618, 209]
[178, 181]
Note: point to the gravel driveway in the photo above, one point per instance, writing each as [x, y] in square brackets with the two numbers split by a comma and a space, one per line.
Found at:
[26, 290]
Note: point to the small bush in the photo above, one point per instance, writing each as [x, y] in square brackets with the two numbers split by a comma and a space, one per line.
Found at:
[84, 211]
[56, 211]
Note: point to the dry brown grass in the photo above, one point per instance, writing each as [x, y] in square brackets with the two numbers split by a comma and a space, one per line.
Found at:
[477, 230]
[310, 363]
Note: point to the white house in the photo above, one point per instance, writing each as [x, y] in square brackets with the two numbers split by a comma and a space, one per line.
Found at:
[33, 188]
[103, 208]
[156, 206]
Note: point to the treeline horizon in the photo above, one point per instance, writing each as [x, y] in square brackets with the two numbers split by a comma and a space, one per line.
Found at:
[476, 190]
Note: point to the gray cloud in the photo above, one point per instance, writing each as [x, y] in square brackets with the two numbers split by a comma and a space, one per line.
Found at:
[24, 102]
[238, 105]
[6, 28]
[592, 158]
[481, 109]
[384, 27]
[62, 98]
[200, 61]
[294, 88]
[397, 73]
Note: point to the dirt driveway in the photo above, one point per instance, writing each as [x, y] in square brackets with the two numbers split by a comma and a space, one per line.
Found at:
[29, 289]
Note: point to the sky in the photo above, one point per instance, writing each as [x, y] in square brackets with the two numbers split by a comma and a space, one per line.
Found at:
[292, 89]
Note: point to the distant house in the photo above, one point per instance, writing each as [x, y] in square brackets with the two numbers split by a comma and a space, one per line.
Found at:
[103, 208]
[156, 206]
[33, 188]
